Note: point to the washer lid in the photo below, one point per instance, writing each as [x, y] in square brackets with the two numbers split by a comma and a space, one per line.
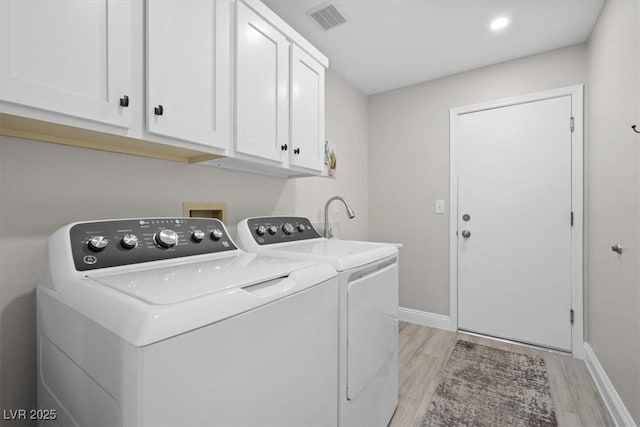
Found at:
[147, 305]
[186, 281]
[340, 254]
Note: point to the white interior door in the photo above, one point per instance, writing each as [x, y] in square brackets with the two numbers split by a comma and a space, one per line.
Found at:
[514, 250]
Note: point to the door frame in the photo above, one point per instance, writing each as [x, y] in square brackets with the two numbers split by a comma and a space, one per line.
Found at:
[577, 185]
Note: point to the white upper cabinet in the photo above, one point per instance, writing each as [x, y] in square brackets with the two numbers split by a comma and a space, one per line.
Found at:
[72, 57]
[307, 111]
[188, 70]
[280, 92]
[165, 78]
[262, 83]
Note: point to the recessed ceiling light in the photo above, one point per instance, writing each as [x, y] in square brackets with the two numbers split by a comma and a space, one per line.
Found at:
[499, 23]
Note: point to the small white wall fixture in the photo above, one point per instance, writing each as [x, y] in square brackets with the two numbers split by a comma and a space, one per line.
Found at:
[576, 93]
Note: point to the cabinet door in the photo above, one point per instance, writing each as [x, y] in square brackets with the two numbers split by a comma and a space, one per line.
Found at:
[262, 80]
[188, 67]
[307, 111]
[72, 57]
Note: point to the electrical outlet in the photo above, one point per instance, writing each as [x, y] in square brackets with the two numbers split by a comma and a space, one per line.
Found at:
[439, 208]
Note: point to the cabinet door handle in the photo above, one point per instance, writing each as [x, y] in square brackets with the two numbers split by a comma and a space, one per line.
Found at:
[284, 147]
[296, 151]
[159, 110]
[124, 101]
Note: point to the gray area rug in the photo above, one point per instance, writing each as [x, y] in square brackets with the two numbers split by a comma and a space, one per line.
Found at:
[484, 386]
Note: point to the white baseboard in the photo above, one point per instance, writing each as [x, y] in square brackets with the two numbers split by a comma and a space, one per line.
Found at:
[425, 318]
[616, 407]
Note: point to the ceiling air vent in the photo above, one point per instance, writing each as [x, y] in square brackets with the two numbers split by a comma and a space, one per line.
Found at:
[327, 15]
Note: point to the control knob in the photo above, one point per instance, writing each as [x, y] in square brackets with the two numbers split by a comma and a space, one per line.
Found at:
[216, 234]
[301, 227]
[166, 238]
[287, 228]
[261, 230]
[273, 229]
[97, 243]
[197, 236]
[129, 241]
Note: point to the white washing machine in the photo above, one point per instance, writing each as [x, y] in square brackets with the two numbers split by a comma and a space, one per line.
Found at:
[152, 322]
[368, 272]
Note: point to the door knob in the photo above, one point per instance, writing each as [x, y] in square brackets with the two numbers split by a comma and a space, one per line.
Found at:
[617, 248]
[159, 110]
[466, 234]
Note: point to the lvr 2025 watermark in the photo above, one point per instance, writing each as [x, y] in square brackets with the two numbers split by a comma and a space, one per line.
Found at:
[29, 414]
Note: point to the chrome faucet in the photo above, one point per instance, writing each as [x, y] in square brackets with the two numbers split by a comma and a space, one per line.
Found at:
[350, 212]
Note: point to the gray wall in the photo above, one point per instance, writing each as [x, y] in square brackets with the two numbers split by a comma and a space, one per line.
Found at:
[44, 186]
[613, 189]
[409, 161]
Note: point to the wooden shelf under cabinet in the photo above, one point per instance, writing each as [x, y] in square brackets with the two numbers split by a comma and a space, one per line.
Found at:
[25, 128]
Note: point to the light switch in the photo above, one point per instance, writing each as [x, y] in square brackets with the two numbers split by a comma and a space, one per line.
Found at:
[439, 206]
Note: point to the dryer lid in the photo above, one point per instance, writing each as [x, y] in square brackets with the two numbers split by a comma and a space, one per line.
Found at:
[340, 254]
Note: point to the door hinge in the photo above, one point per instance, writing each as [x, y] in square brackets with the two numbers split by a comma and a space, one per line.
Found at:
[571, 316]
[571, 123]
[572, 218]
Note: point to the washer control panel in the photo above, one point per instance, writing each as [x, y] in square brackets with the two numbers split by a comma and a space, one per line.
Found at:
[114, 243]
[281, 229]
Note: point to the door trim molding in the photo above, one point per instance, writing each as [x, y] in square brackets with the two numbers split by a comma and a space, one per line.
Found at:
[577, 165]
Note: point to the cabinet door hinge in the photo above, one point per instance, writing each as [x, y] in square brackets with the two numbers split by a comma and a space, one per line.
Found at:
[571, 316]
[571, 123]
[572, 218]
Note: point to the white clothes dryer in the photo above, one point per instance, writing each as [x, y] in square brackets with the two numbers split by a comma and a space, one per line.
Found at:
[368, 273]
[165, 322]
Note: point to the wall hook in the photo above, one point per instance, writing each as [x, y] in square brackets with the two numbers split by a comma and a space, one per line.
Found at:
[634, 129]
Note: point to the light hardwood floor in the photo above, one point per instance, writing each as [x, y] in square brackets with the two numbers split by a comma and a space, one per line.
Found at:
[423, 357]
